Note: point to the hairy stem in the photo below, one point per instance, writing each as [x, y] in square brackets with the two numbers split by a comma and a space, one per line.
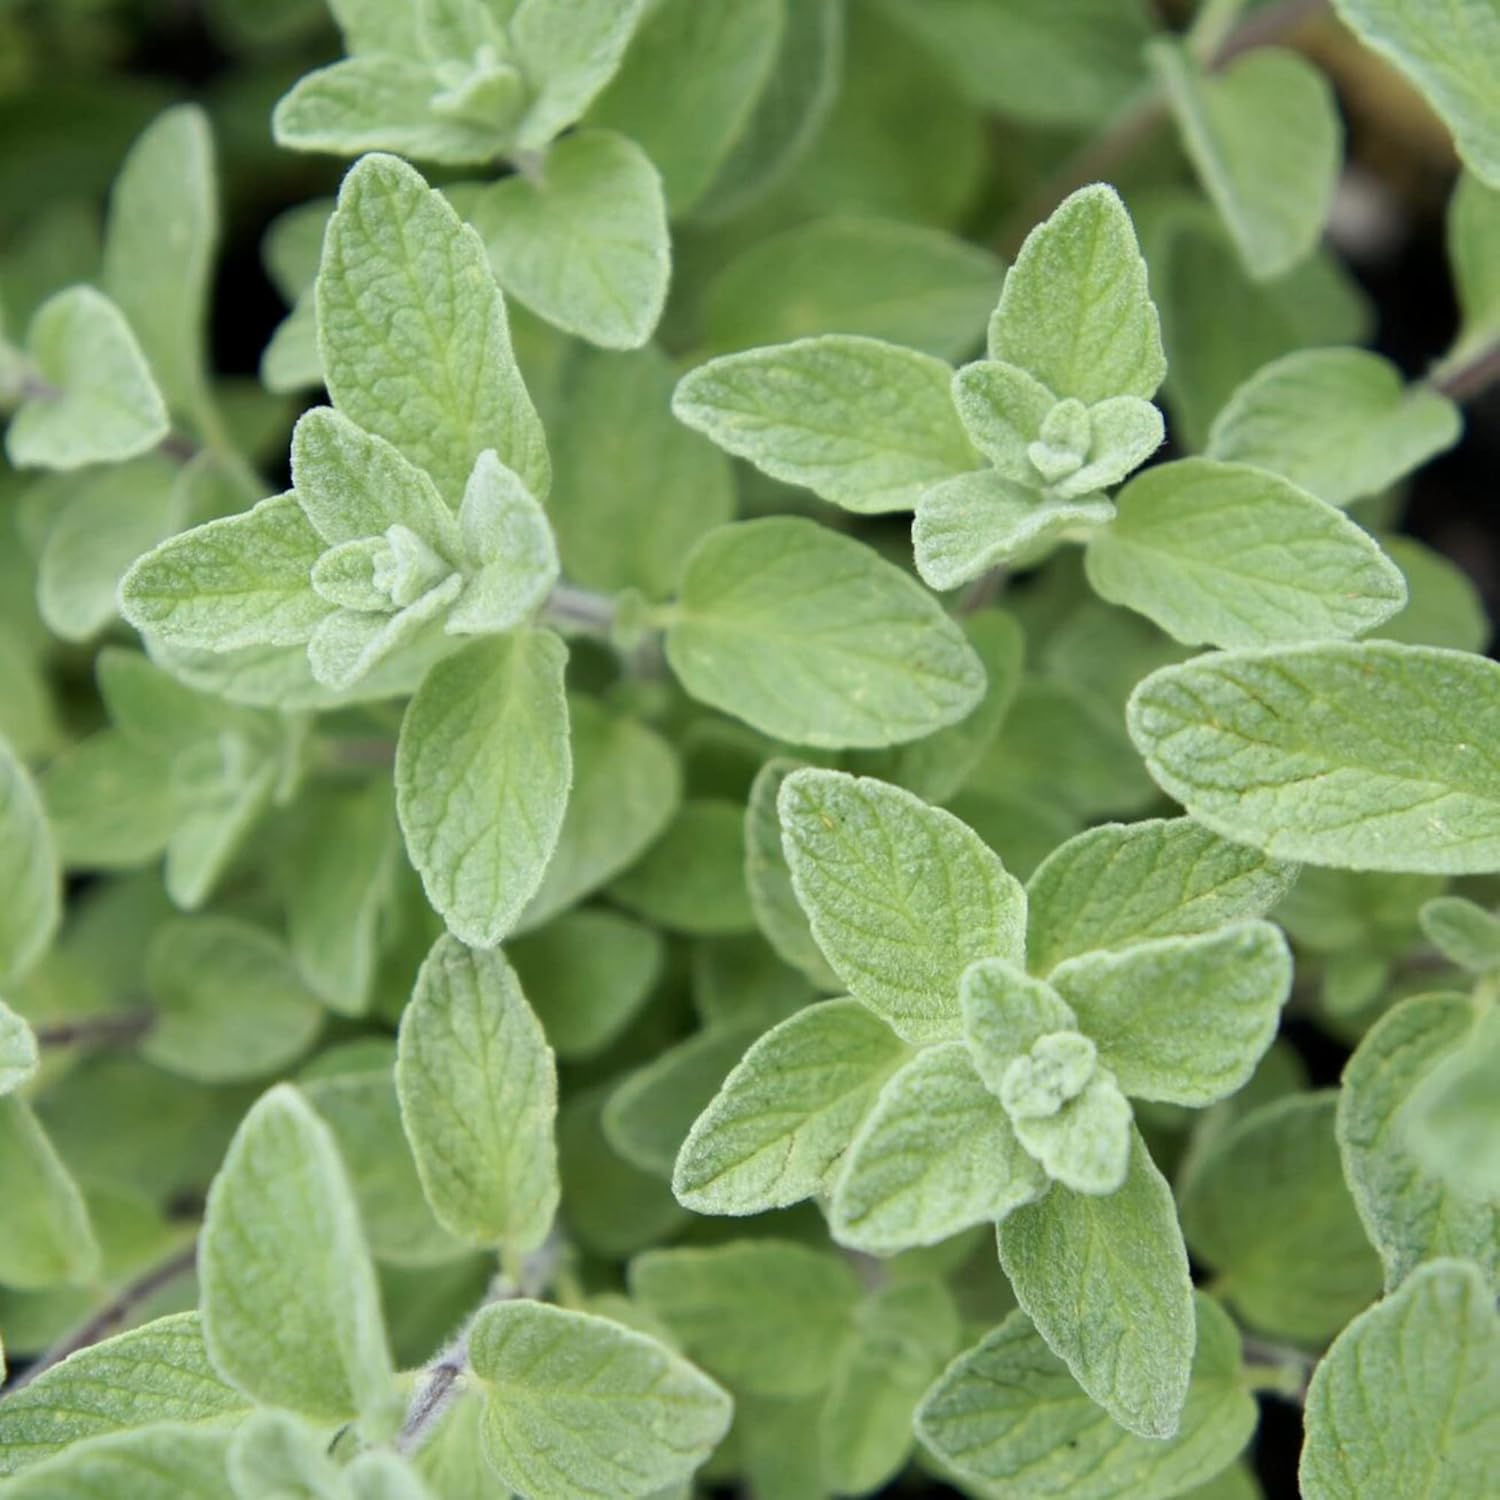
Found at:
[1277, 1369]
[113, 1313]
[1144, 116]
[1470, 376]
[573, 608]
[116, 1029]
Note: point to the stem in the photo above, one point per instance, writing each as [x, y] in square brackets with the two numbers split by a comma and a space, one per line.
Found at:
[113, 1313]
[1472, 375]
[1277, 1369]
[1146, 114]
[580, 610]
[441, 1382]
[118, 1029]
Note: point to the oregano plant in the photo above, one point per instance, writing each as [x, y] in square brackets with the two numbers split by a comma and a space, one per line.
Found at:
[739, 753]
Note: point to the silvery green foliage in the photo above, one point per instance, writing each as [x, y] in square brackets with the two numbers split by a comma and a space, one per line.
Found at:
[565, 809]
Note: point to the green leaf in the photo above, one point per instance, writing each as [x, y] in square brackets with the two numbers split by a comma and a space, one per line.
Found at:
[765, 1316]
[813, 638]
[649, 1115]
[881, 278]
[163, 1462]
[274, 1454]
[568, 50]
[1463, 932]
[768, 878]
[509, 545]
[1007, 1418]
[1105, 1280]
[576, 1404]
[478, 1093]
[1451, 51]
[1369, 757]
[97, 402]
[46, 1238]
[1473, 232]
[902, 897]
[1266, 1207]
[585, 244]
[1126, 883]
[692, 879]
[29, 877]
[18, 1051]
[979, 521]
[1182, 1019]
[903, 1336]
[159, 247]
[1443, 607]
[337, 883]
[587, 974]
[1035, 61]
[229, 1001]
[1409, 1212]
[936, 1154]
[110, 803]
[440, 382]
[482, 774]
[159, 1372]
[712, 61]
[632, 488]
[1075, 311]
[865, 424]
[384, 102]
[1405, 1402]
[291, 1311]
[1451, 1120]
[1265, 138]
[1005, 1012]
[626, 788]
[1228, 555]
[1337, 422]
[777, 1128]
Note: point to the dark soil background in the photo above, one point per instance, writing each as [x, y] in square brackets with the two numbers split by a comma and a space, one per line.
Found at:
[122, 62]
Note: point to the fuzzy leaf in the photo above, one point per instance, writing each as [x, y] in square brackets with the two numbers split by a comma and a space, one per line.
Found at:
[240, 581]
[1228, 555]
[159, 1372]
[586, 246]
[18, 1051]
[1007, 1418]
[230, 1004]
[440, 382]
[1407, 1401]
[159, 247]
[626, 788]
[100, 404]
[845, 274]
[785, 1115]
[979, 521]
[1126, 883]
[1368, 757]
[577, 1404]
[1266, 1207]
[274, 1454]
[765, 1316]
[936, 1154]
[164, 1462]
[1105, 1280]
[1182, 1019]
[1443, 607]
[862, 423]
[46, 1238]
[1453, 1118]
[1463, 932]
[692, 879]
[1337, 422]
[291, 1311]
[714, 60]
[510, 547]
[1005, 1012]
[482, 774]
[1409, 1212]
[478, 1093]
[1473, 232]
[569, 49]
[1265, 139]
[813, 638]
[1451, 50]
[30, 883]
[1075, 311]
[901, 896]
